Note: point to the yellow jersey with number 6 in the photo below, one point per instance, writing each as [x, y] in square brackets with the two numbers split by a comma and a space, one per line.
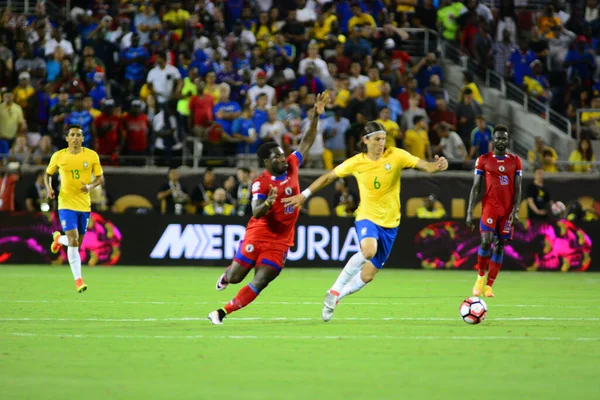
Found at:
[378, 184]
[75, 171]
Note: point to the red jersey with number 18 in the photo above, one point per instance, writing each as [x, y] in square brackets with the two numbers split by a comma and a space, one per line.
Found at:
[277, 226]
[499, 174]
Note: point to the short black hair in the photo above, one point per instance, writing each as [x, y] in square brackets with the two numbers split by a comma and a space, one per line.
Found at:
[500, 128]
[74, 126]
[468, 91]
[264, 151]
[417, 119]
[537, 167]
[244, 169]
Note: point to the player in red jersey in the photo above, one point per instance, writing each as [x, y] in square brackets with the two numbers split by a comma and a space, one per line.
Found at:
[270, 232]
[502, 172]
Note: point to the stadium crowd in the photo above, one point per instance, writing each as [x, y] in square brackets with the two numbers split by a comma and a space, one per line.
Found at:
[220, 77]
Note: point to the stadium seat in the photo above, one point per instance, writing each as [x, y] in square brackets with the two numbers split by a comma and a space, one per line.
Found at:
[414, 203]
[131, 201]
[318, 207]
[458, 208]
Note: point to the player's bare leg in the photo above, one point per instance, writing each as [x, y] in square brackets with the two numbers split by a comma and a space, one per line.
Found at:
[495, 265]
[368, 249]
[483, 259]
[263, 275]
[235, 273]
[74, 243]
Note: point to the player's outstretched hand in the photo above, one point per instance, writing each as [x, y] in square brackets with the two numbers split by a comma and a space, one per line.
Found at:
[469, 221]
[84, 188]
[272, 195]
[294, 201]
[321, 101]
[441, 162]
[51, 194]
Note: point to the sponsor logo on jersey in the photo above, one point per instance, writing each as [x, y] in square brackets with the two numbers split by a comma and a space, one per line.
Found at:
[288, 191]
[501, 168]
[85, 164]
[388, 167]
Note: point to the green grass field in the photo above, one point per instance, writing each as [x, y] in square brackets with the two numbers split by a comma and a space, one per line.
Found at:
[142, 333]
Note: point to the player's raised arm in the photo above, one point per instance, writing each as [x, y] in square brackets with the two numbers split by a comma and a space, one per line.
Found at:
[309, 137]
[477, 181]
[440, 164]
[317, 185]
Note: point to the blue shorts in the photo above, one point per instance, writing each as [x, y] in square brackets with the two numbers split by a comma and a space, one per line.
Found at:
[70, 220]
[385, 239]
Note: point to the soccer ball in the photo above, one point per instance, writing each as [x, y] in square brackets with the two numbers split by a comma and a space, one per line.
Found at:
[473, 310]
[558, 208]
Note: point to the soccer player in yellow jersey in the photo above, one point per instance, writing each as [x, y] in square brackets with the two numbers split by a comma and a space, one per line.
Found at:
[75, 164]
[377, 171]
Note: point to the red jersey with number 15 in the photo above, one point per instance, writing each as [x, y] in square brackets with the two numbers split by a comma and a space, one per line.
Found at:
[277, 226]
[499, 174]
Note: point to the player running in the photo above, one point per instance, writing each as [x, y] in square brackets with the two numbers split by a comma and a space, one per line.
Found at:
[75, 164]
[500, 206]
[377, 170]
[270, 232]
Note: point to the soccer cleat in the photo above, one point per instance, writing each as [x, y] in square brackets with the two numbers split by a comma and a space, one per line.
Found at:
[331, 300]
[216, 318]
[220, 284]
[488, 291]
[478, 287]
[81, 287]
[55, 246]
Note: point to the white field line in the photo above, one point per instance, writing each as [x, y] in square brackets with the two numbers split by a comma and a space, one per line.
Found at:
[282, 319]
[290, 303]
[291, 337]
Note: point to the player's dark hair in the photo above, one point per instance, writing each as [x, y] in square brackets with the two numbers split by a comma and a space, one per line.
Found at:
[244, 169]
[74, 126]
[500, 128]
[264, 152]
[370, 127]
[417, 119]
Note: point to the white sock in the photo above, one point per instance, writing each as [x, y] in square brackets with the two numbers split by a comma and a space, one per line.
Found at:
[64, 240]
[352, 287]
[352, 267]
[74, 261]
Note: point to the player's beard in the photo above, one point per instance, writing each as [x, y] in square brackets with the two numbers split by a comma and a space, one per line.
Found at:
[279, 168]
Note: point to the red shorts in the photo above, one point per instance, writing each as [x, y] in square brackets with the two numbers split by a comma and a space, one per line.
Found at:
[251, 253]
[501, 225]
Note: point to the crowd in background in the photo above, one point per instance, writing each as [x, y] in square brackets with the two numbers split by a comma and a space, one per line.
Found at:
[216, 78]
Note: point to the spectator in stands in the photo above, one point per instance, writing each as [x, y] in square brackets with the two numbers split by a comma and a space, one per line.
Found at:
[295, 31]
[313, 59]
[88, 104]
[218, 206]
[451, 146]
[136, 127]
[273, 129]
[356, 131]
[316, 152]
[374, 87]
[439, 115]
[68, 80]
[335, 129]
[23, 92]
[109, 131]
[537, 85]
[433, 92]
[549, 162]
[519, 62]
[289, 109]
[558, 47]
[536, 155]
[39, 108]
[539, 45]
[245, 134]
[411, 112]
[538, 196]
[411, 91]
[28, 62]
[8, 183]
[172, 194]
[387, 101]
[36, 196]
[584, 152]
[12, 120]
[547, 21]
[6, 61]
[41, 156]
[58, 113]
[469, 83]
[309, 81]
[134, 59]
[428, 210]
[391, 128]
[226, 111]
[448, 17]
[360, 103]
[425, 69]
[355, 78]
[466, 112]
[416, 141]
[580, 61]
[164, 81]
[19, 151]
[168, 143]
[82, 117]
[501, 51]
[203, 193]
[481, 138]
[262, 87]
[591, 119]
[243, 192]
[292, 137]
[345, 201]
[57, 41]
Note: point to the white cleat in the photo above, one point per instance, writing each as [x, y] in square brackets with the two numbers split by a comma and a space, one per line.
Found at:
[214, 318]
[220, 285]
[329, 306]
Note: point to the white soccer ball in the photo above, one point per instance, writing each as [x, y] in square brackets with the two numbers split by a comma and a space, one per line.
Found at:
[473, 310]
[558, 208]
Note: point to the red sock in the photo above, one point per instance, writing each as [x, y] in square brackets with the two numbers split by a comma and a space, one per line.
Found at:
[494, 269]
[482, 263]
[245, 296]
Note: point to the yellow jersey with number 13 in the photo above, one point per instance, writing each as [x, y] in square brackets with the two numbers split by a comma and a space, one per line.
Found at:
[75, 171]
[378, 184]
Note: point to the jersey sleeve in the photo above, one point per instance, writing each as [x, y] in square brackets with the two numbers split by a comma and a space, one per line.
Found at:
[295, 159]
[480, 166]
[345, 168]
[405, 159]
[260, 190]
[519, 170]
[53, 164]
[96, 166]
